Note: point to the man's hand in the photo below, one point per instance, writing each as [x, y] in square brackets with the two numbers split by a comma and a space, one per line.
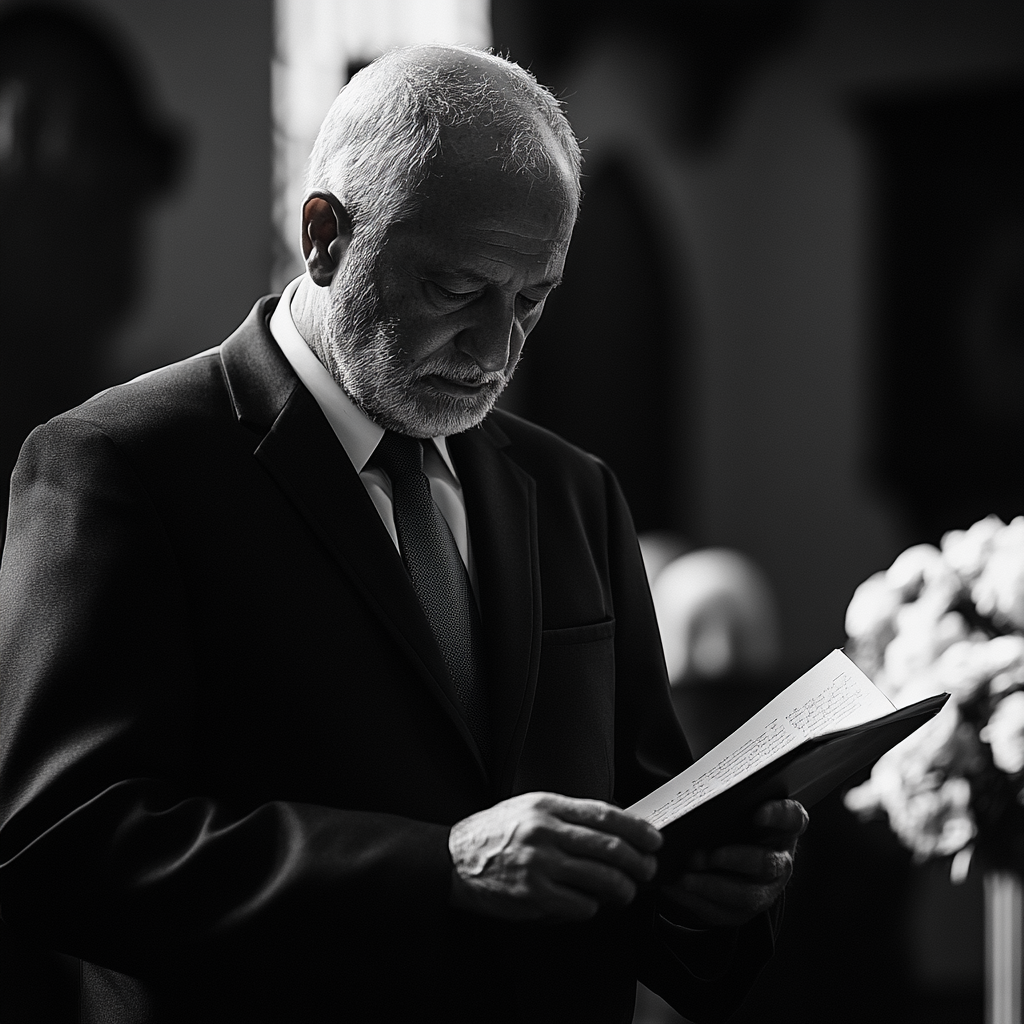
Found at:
[730, 885]
[541, 855]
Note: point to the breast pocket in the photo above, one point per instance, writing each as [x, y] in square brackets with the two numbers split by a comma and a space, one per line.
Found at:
[570, 742]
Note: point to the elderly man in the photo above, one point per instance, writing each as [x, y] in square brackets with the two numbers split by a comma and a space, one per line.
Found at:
[321, 679]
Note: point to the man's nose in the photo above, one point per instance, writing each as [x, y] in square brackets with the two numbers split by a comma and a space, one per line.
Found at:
[488, 340]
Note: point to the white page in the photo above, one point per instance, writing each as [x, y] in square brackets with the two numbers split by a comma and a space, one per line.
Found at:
[833, 695]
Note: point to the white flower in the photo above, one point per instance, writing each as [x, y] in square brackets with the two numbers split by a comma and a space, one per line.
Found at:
[999, 589]
[1012, 675]
[922, 636]
[911, 763]
[967, 551]
[1005, 733]
[966, 666]
[944, 824]
[1004, 654]
[932, 818]
[864, 799]
[914, 568]
[910, 630]
[935, 822]
[916, 756]
[872, 607]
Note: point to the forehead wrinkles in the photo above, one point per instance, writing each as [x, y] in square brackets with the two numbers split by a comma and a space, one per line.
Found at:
[495, 198]
[491, 209]
[481, 251]
[538, 244]
[540, 212]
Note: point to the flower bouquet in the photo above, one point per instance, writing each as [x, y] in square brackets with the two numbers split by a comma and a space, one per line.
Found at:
[950, 619]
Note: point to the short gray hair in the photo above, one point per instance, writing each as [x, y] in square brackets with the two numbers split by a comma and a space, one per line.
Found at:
[376, 145]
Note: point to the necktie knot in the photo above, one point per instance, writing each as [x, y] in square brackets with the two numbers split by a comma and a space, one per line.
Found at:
[399, 456]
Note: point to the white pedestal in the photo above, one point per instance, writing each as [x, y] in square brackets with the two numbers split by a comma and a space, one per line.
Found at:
[1004, 917]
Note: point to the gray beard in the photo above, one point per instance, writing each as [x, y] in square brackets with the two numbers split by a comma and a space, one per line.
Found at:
[368, 363]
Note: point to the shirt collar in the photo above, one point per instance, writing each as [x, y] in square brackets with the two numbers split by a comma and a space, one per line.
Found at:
[358, 434]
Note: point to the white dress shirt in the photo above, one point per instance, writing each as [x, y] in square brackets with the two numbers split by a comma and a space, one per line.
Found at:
[359, 435]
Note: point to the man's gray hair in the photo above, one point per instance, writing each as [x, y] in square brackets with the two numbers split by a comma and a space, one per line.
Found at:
[375, 147]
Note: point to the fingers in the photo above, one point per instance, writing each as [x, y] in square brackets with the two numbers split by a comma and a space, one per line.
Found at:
[595, 831]
[757, 863]
[730, 891]
[730, 885]
[724, 899]
[720, 905]
[605, 883]
[611, 850]
[548, 856]
[602, 817]
[786, 818]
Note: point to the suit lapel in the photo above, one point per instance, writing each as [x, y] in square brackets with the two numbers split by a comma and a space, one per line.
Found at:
[501, 509]
[301, 452]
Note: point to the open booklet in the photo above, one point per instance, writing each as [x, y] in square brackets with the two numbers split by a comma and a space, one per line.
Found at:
[830, 723]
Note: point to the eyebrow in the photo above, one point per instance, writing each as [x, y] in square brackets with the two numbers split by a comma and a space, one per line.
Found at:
[551, 283]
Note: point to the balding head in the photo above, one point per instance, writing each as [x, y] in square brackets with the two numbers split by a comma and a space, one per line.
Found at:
[442, 193]
[389, 126]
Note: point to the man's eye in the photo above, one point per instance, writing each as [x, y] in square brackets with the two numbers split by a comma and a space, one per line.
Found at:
[449, 296]
[529, 302]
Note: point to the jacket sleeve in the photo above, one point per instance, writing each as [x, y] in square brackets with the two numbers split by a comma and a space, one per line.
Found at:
[705, 975]
[107, 849]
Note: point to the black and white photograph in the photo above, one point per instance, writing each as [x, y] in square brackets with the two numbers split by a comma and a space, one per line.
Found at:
[512, 512]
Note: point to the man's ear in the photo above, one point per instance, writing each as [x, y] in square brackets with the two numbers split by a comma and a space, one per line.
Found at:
[326, 234]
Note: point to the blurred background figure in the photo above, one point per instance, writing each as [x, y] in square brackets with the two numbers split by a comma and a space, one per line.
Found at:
[659, 548]
[719, 628]
[718, 618]
[83, 158]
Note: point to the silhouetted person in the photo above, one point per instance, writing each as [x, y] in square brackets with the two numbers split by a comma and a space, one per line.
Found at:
[719, 628]
[81, 160]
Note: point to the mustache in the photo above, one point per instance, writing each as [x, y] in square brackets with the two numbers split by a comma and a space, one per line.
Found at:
[460, 372]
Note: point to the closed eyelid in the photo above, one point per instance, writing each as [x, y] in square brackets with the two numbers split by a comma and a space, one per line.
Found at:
[451, 293]
[471, 294]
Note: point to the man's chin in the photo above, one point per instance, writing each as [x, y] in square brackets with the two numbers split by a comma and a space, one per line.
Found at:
[436, 414]
[446, 415]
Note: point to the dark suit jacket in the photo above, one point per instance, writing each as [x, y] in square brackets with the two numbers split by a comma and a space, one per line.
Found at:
[230, 754]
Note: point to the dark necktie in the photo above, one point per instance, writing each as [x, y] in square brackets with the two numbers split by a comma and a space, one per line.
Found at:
[438, 576]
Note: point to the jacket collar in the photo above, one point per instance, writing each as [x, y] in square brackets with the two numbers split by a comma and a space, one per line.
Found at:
[258, 376]
[295, 443]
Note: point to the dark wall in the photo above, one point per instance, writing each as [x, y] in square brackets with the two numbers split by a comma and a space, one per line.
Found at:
[208, 256]
[792, 434]
[836, 196]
